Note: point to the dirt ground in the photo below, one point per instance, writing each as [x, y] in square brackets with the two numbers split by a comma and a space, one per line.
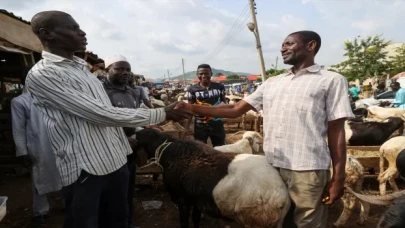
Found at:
[19, 211]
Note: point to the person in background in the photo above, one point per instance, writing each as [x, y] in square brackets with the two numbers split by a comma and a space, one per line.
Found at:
[314, 103]
[33, 145]
[123, 96]
[84, 129]
[207, 93]
[139, 90]
[99, 71]
[355, 92]
[379, 90]
[399, 96]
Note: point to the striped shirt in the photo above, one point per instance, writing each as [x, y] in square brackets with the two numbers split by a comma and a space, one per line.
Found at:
[85, 130]
[296, 110]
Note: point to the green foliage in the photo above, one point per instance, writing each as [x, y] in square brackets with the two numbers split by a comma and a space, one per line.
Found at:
[218, 74]
[233, 77]
[273, 72]
[398, 61]
[259, 79]
[365, 58]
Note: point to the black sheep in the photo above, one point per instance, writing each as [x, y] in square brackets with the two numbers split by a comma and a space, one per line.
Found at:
[371, 133]
[222, 185]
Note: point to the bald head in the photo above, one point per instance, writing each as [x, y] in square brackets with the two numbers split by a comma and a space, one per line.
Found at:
[58, 31]
[46, 20]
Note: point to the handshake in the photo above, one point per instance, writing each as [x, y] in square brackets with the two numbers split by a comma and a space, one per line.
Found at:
[177, 111]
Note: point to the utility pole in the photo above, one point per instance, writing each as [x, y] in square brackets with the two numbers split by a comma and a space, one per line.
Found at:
[253, 27]
[168, 75]
[276, 62]
[184, 73]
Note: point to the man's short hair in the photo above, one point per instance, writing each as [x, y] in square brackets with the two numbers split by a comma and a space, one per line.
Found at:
[204, 66]
[308, 36]
[46, 19]
[396, 84]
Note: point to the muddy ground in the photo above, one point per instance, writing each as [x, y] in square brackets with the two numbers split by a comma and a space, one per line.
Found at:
[19, 212]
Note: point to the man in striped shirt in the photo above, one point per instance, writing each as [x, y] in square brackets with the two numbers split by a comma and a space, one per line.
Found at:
[300, 108]
[85, 130]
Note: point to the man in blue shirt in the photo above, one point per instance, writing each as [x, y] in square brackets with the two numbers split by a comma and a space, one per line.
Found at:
[400, 95]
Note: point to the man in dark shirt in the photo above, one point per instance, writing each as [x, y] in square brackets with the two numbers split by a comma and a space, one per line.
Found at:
[123, 96]
[209, 94]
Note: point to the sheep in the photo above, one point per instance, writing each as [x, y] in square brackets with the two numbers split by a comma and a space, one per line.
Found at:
[371, 133]
[395, 215]
[249, 144]
[360, 112]
[354, 180]
[383, 113]
[390, 150]
[240, 187]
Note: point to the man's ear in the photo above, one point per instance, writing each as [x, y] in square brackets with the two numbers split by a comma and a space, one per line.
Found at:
[311, 45]
[45, 34]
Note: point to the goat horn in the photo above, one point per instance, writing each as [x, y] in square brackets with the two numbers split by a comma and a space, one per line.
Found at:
[377, 200]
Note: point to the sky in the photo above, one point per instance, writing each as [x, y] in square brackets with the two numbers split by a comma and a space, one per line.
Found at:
[156, 34]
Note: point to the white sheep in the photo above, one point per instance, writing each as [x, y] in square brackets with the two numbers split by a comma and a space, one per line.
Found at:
[390, 150]
[249, 144]
[376, 112]
[354, 180]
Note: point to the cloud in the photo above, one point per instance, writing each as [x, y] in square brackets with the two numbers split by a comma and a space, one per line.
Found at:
[156, 34]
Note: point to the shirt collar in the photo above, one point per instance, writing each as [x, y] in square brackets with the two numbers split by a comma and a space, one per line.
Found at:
[56, 58]
[312, 69]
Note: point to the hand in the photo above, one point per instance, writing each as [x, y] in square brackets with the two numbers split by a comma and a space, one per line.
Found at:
[181, 105]
[176, 114]
[156, 127]
[334, 190]
[132, 141]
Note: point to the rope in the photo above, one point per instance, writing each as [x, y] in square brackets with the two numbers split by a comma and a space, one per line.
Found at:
[158, 154]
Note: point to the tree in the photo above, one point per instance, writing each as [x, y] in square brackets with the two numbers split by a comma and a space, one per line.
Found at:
[273, 72]
[365, 58]
[398, 61]
[233, 77]
[218, 74]
[259, 79]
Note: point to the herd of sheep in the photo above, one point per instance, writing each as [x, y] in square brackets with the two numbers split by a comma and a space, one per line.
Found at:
[241, 186]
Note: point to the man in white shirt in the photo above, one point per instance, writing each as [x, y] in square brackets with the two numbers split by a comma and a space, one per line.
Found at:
[300, 108]
[85, 130]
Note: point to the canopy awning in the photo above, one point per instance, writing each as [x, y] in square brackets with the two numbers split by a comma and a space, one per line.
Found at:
[14, 50]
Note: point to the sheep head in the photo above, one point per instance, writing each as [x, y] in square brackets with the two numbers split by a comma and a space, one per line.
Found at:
[254, 140]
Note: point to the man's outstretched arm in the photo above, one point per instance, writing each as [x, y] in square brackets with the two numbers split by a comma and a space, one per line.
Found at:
[226, 111]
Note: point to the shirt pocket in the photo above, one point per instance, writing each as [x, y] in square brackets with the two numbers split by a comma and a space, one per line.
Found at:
[312, 99]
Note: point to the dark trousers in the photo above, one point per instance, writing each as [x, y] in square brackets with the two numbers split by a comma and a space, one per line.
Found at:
[214, 131]
[97, 201]
[131, 187]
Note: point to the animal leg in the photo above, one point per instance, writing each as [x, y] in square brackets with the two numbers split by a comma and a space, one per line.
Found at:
[184, 212]
[391, 180]
[383, 187]
[196, 216]
[348, 205]
[364, 212]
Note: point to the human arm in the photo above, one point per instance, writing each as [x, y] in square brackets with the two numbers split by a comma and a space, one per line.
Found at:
[337, 148]
[19, 127]
[52, 89]
[144, 98]
[337, 110]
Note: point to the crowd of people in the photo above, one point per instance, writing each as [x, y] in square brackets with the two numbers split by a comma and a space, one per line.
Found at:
[86, 127]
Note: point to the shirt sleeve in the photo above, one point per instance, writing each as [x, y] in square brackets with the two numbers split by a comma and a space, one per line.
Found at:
[399, 98]
[337, 100]
[256, 98]
[50, 90]
[19, 126]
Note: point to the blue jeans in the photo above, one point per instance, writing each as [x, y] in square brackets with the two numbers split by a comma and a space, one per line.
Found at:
[97, 201]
